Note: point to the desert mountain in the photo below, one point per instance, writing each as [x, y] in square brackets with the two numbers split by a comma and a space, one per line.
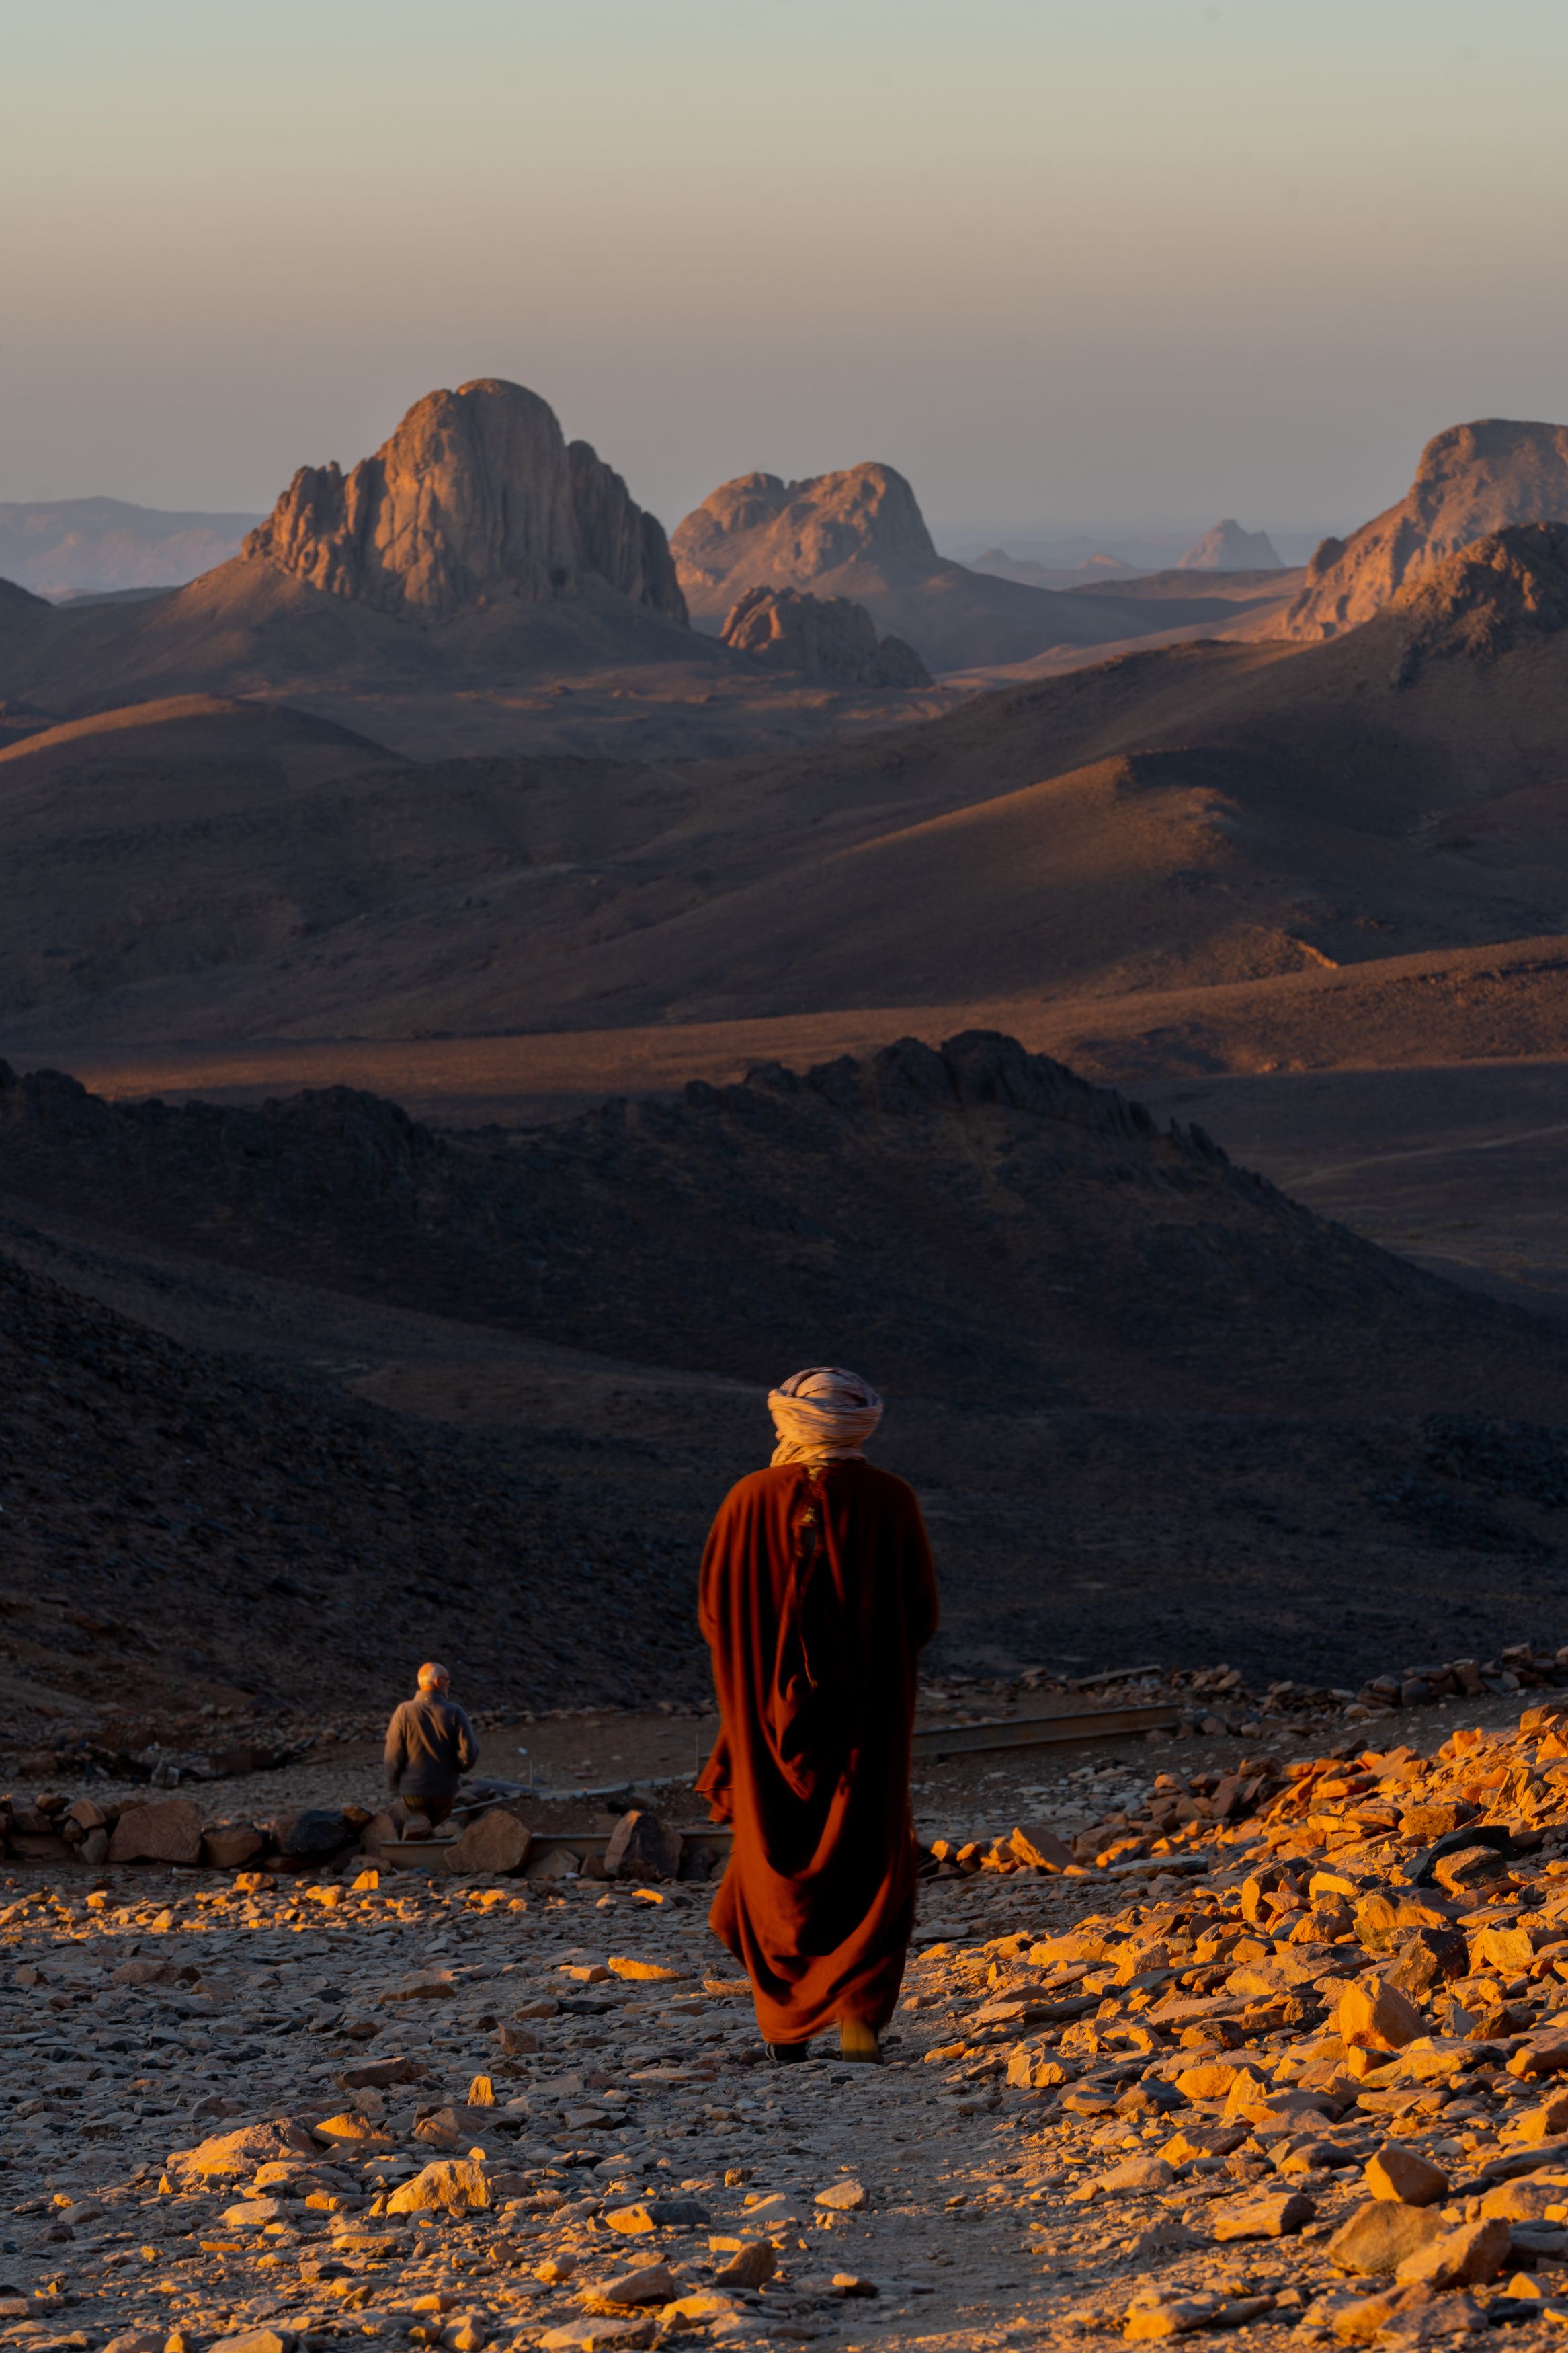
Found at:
[1227, 548]
[479, 584]
[985, 1226]
[475, 498]
[860, 534]
[1203, 814]
[823, 637]
[1472, 479]
[75, 547]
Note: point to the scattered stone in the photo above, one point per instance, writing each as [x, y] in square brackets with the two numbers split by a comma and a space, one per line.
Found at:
[1471, 1867]
[656, 2214]
[1039, 1849]
[1401, 2174]
[376, 2075]
[1467, 2257]
[1274, 2215]
[598, 2332]
[425, 1985]
[231, 2156]
[1374, 2015]
[843, 2197]
[751, 2264]
[451, 2186]
[653, 2284]
[1137, 2175]
[1379, 2235]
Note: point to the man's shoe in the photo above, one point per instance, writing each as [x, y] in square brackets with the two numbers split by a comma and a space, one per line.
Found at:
[859, 2041]
[787, 2054]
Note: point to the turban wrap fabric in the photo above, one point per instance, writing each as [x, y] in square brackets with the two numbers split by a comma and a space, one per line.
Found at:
[823, 1414]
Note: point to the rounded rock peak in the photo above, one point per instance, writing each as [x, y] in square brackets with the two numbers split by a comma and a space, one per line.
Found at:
[473, 496]
[1490, 475]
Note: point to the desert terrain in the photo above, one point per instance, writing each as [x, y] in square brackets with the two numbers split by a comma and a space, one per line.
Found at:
[465, 1032]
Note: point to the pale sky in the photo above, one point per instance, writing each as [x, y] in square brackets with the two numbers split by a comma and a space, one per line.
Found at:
[1066, 263]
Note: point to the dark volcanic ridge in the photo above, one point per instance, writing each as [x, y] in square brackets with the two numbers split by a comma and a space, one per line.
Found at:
[984, 1226]
[1147, 1400]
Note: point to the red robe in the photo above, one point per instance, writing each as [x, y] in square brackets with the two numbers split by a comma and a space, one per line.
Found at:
[817, 1595]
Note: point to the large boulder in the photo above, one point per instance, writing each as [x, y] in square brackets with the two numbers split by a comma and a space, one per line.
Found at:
[168, 1830]
[453, 2185]
[493, 1845]
[642, 1847]
[235, 2156]
[312, 1832]
[829, 638]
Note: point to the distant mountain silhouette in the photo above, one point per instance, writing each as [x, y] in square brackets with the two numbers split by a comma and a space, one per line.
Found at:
[76, 547]
[1227, 548]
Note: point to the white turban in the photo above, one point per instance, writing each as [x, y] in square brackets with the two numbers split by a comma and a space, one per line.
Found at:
[823, 1414]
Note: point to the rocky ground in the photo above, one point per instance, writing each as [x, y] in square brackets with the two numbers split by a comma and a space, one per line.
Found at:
[1285, 2072]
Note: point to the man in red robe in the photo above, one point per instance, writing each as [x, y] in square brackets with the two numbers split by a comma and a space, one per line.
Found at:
[817, 1596]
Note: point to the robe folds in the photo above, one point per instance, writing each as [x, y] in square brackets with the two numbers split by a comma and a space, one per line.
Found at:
[817, 1596]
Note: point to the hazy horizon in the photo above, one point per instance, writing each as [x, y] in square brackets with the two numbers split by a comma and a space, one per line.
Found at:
[1069, 268]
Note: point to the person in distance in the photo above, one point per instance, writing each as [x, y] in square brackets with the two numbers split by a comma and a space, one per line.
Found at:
[817, 1596]
[430, 1745]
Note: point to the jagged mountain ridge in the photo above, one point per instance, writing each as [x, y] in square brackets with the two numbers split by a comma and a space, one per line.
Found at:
[979, 1223]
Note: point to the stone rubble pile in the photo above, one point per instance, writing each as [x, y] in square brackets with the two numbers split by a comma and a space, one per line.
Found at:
[1283, 2055]
[1216, 1700]
[1349, 2035]
[490, 1837]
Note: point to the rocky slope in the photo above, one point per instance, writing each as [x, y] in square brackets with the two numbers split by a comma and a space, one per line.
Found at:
[474, 496]
[181, 1528]
[822, 637]
[1471, 480]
